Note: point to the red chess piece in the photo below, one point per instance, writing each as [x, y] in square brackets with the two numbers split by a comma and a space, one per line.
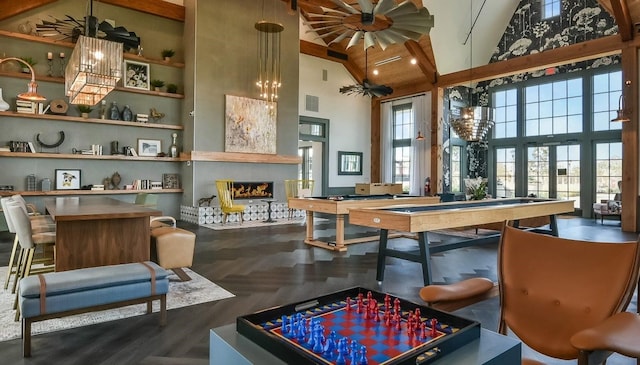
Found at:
[387, 318]
[396, 320]
[348, 304]
[376, 317]
[387, 301]
[396, 305]
[423, 329]
[369, 296]
[434, 331]
[359, 307]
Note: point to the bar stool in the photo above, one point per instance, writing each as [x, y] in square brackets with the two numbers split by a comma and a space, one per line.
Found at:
[28, 244]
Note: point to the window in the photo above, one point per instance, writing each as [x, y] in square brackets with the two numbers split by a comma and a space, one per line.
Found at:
[550, 8]
[505, 104]
[506, 172]
[608, 170]
[402, 137]
[456, 168]
[305, 171]
[607, 89]
[553, 108]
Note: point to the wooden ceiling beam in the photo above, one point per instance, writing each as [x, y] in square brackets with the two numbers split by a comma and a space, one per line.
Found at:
[320, 51]
[13, 7]
[600, 47]
[623, 19]
[427, 68]
[155, 7]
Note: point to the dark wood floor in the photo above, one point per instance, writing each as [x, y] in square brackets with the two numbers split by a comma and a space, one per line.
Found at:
[267, 267]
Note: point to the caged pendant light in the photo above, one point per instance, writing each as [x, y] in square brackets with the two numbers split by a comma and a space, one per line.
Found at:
[269, 80]
[95, 66]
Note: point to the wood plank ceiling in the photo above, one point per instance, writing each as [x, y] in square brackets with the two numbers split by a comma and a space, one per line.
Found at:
[406, 78]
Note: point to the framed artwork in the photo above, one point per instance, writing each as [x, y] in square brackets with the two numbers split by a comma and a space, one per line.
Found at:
[349, 163]
[170, 181]
[67, 179]
[136, 75]
[250, 125]
[149, 147]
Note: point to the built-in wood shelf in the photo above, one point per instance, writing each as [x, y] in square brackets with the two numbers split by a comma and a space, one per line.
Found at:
[60, 80]
[67, 44]
[71, 156]
[239, 157]
[88, 192]
[65, 118]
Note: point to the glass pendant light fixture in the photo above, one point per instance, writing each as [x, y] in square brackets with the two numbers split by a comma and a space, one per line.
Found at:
[95, 66]
[472, 122]
[621, 113]
[269, 80]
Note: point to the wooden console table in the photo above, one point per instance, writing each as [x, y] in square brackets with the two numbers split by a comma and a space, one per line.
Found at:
[97, 231]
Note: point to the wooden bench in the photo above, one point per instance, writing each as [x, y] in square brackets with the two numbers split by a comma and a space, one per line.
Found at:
[67, 293]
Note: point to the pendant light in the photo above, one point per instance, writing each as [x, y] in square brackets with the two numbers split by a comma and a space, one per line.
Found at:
[472, 122]
[269, 77]
[95, 66]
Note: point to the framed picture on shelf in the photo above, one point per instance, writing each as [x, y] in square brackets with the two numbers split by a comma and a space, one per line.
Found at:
[67, 179]
[149, 147]
[170, 181]
[136, 75]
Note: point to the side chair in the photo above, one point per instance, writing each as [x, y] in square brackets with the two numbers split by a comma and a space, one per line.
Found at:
[297, 189]
[225, 196]
[563, 298]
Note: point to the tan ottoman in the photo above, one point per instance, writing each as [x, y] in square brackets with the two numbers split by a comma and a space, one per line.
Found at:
[172, 248]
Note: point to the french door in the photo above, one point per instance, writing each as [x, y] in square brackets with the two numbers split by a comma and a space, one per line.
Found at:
[553, 171]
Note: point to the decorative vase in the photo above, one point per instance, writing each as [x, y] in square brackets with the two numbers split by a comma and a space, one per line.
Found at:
[173, 150]
[4, 106]
[85, 115]
[167, 59]
[114, 112]
[127, 114]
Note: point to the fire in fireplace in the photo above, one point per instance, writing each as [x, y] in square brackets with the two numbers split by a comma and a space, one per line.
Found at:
[252, 190]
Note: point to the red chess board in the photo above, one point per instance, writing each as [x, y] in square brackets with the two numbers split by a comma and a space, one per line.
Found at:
[384, 343]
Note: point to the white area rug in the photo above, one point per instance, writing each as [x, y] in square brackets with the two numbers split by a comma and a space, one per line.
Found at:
[181, 294]
[253, 224]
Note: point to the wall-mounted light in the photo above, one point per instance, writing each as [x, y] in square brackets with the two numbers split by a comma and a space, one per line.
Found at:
[621, 114]
[420, 136]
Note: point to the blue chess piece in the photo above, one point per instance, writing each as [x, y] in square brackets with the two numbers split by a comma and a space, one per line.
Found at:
[363, 356]
[342, 350]
[330, 345]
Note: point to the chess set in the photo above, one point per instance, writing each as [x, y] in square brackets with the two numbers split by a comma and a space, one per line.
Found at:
[357, 326]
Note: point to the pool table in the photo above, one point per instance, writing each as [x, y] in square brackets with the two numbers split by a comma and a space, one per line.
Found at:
[419, 219]
[341, 205]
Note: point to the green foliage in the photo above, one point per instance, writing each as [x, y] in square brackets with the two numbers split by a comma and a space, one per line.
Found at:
[167, 53]
[29, 60]
[82, 108]
[157, 83]
[172, 88]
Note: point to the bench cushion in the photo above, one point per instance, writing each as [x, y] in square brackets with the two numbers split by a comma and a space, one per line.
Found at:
[81, 288]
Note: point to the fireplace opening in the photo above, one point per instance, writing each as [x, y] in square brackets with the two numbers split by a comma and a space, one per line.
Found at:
[252, 190]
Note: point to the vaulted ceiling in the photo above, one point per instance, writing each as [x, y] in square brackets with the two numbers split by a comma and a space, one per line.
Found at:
[464, 36]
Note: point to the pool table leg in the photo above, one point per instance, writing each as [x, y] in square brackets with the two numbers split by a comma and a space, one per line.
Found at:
[382, 254]
[425, 257]
[339, 230]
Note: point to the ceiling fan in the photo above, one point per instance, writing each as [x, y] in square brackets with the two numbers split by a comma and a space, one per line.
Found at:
[367, 88]
[384, 22]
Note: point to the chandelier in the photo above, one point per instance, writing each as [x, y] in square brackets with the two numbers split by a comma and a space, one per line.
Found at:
[94, 68]
[269, 78]
[473, 123]
[384, 22]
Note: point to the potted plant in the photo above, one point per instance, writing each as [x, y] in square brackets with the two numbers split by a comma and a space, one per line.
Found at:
[28, 60]
[84, 110]
[172, 88]
[157, 84]
[167, 54]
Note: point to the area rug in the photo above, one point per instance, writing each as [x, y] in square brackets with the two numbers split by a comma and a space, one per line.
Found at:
[254, 224]
[181, 294]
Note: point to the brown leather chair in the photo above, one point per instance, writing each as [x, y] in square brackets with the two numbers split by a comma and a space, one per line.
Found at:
[563, 298]
[172, 247]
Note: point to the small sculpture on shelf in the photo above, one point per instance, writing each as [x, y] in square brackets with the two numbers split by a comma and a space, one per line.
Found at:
[156, 115]
[127, 114]
[115, 180]
[107, 183]
[173, 150]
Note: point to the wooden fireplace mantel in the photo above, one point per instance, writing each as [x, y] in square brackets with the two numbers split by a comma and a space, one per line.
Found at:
[239, 157]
